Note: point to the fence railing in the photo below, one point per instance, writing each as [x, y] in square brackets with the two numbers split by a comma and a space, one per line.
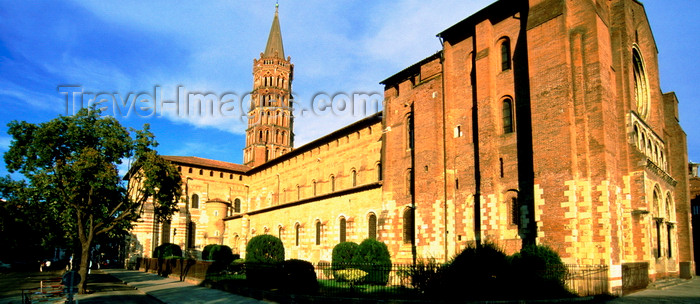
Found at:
[634, 276]
[380, 281]
[587, 280]
[369, 279]
[396, 279]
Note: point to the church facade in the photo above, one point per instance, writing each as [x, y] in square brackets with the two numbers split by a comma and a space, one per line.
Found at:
[539, 122]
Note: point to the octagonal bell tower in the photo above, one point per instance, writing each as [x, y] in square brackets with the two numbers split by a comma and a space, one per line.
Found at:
[270, 120]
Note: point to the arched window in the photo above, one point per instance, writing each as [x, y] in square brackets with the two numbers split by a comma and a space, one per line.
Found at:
[296, 234]
[332, 178]
[409, 181]
[408, 229]
[191, 233]
[165, 234]
[410, 136]
[279, 232]
[235, 244]
[314, 182]
[353, 174]
[318, 232]
[195, 201]
[379, 171]
[657, 220]
[342, 229]
[669, 225]
[514, 211]
[372, 226]
[237, 205]
[298, 192]
[189, 170]
[507, 116]
[201, 171]
[505, 55]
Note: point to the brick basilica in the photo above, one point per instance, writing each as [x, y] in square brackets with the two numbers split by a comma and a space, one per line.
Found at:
[539, 121]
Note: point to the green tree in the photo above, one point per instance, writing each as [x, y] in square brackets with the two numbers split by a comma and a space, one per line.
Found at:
[71, 163]
[19, 212]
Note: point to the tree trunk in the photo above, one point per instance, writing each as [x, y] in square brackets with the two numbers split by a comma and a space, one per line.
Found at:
[84, 265]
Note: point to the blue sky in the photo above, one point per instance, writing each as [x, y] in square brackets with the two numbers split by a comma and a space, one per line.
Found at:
[153, 49]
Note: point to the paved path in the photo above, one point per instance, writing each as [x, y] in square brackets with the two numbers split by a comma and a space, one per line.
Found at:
[172, 291]
[688, 292]
[136, 287]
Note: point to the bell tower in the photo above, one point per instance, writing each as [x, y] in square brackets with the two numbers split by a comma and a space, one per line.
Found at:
[270, 120]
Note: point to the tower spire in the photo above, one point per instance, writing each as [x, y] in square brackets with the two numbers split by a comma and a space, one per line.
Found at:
[274, 41]
[270, 120]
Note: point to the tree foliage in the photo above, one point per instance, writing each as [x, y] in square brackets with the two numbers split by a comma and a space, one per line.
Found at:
[39, 229]
[71, 164]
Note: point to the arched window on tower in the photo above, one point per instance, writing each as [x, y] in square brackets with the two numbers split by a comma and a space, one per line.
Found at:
[237, 205]
[507, 116]
[505, 54]
[353, 175]
[332, 178]
[195, 201]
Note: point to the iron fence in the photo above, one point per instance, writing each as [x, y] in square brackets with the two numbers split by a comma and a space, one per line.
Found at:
[587, 280]
[634, 276]
[396, 280]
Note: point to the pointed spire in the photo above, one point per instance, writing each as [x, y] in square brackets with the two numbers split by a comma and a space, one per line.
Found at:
[274, 41]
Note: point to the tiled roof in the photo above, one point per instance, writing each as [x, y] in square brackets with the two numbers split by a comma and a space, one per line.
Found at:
[209, 163]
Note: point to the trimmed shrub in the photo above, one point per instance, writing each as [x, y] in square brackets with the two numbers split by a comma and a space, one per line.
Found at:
[478, 272]
[221, 254]
[299, 277]
[206, 251]
[264, 257]
[343, 254]
[237, 266]
[540, 271]
[373, 257]
[167, 250]
[265, 249]
[426, 276]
